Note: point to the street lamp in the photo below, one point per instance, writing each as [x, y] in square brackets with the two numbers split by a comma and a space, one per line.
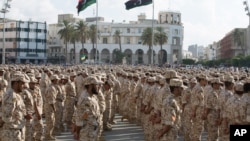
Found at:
[247, 9]
[4, 10]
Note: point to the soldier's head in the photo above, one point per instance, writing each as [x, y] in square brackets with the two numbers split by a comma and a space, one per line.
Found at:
[91, 84]
[203, 79]
[229, 82]
[239, 88]
[247, 85]
[72, 76]
[33, 82]
[2, 71]
[176, 86]
[54, 79]
[17, 82]
[108, 84]
[215, 83]
[192, 83]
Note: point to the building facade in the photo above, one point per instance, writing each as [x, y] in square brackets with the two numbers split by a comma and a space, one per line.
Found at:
[131, 42]
[25, 41]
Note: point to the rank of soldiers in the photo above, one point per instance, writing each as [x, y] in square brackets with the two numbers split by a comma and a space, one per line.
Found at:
[83, 99]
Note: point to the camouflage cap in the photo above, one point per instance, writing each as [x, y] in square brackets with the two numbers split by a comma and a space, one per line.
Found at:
[203, 76]
[228, 78]
[176, 82]
[92, 80]
[193, 80]
[72, 74]
[54, 77]
[33, 80]
[239, 87]
[216, 80]
[18, 76]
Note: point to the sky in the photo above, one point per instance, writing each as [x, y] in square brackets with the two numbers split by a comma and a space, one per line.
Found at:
[204, 21]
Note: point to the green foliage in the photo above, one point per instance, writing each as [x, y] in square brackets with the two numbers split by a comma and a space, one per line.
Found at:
[237, 61]
[188, 61]
[118, 56]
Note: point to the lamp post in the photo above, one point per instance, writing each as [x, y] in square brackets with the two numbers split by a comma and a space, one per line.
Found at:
[4, 10]
[248, 14]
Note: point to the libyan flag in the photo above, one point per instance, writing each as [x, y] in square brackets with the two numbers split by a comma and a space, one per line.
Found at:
[83, 4]
[83, 57]
[136, 3]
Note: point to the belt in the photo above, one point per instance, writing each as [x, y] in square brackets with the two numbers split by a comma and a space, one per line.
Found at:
[58, 100]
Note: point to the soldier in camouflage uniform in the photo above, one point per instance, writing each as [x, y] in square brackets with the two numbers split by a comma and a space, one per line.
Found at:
[212, 110]
[70, 101]
[187, 109]
[88, 112]
[60, 97]
[108, 94]
[13, 110]
[197, 100]
[171, 112]
[37, 126]
[49, 107]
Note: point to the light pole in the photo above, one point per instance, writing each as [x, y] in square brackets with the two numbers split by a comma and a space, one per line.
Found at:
[248, 14]
[4, 10]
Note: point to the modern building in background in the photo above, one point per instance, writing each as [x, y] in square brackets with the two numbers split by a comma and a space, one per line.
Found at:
[131, 43]
[197, 51]
[25, 41]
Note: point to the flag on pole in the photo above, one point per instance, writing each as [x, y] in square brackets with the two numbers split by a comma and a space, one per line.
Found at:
[83, 57]
[83, 4]
[136, 3]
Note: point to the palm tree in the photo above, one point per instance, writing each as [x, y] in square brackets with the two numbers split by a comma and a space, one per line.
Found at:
[117, 36]
[73, 39]
[81, 29]
[146, 38]
[65, 35]
[161, 38]
[238, 37]
[92, 35]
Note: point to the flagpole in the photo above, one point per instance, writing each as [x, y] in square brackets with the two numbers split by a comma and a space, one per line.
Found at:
[96, 31]
[152, 51]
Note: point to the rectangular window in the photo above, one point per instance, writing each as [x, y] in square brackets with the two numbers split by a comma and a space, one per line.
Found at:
[128, 40]
[104, 40]
[128, 30]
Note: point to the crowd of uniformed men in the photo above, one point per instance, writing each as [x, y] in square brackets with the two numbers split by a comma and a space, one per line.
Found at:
[165, 102]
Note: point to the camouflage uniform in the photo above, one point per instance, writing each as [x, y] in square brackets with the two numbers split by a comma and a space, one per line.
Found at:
[13, 112]
[170, 114]
[197, 100]
[212, 104]
[69, 106]
[108, 94]
[116, 93]
[37, 123]
[87, 115]
[59, 109]
[29, 105]
[187, 109]
[50, 100]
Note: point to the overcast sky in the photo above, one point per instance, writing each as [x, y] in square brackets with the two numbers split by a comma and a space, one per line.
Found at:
[204, 21]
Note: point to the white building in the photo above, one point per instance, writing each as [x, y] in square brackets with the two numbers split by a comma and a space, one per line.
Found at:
[25, 41]
[187, 54]
[131, 43]
[197, 51]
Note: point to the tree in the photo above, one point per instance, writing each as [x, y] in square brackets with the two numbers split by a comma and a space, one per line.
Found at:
[147, 40]
[82, 29]
[92, 35]
[117, 36]
[238, 37]
[65, 35]
[188, 61]
[161, 38]
[73, 39]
